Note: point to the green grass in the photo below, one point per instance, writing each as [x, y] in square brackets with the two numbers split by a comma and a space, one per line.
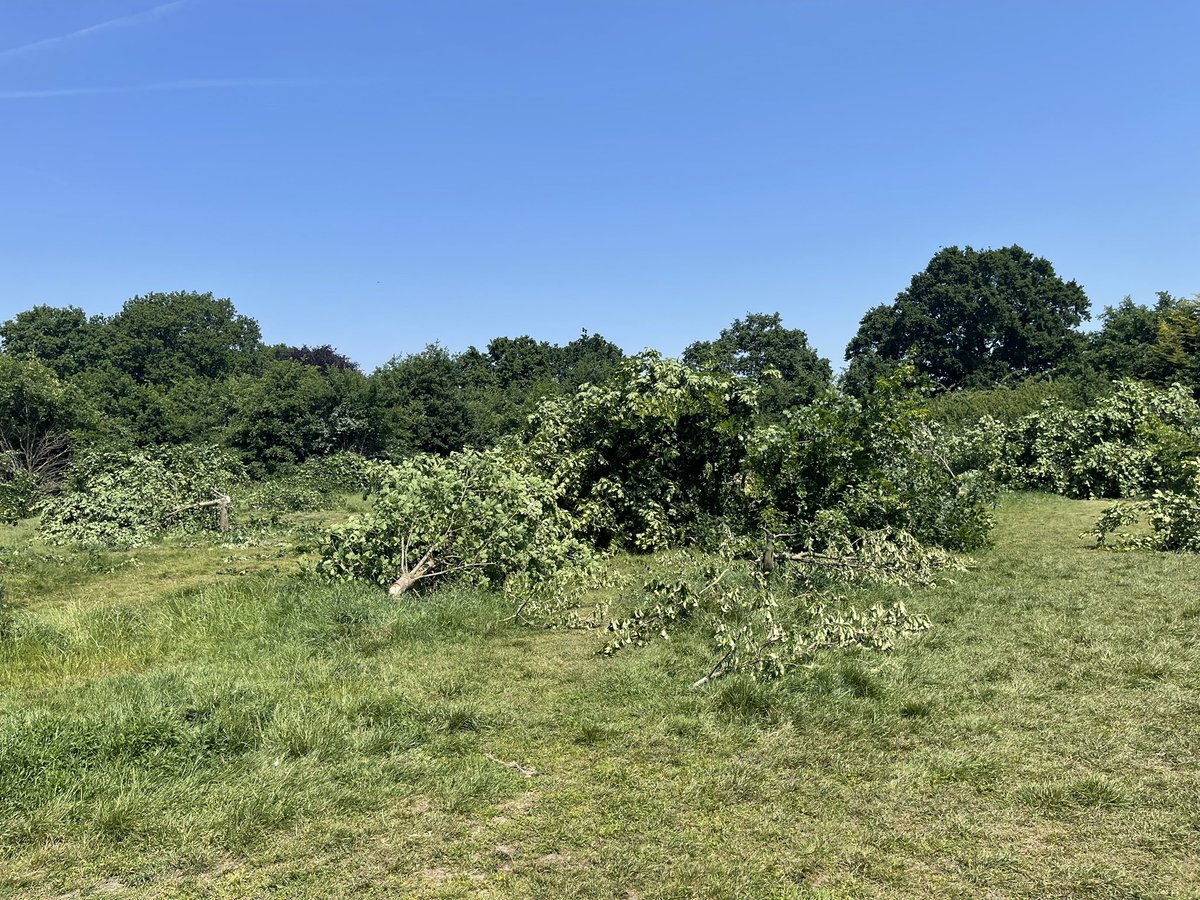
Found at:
[172, 731]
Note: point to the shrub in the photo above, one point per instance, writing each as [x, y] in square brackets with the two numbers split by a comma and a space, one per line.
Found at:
[1173, 517]
[20, 495]
[843, 467]
[1008, 404]
[650, 458]
[1135, 441]
[313, 483]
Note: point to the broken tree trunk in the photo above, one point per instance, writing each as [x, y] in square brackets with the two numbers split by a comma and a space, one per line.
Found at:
[412, 576]
[768, 557]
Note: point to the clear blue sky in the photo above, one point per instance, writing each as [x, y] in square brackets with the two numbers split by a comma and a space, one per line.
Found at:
[380, 175]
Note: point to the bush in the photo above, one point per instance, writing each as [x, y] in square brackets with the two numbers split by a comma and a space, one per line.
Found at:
[844, 467]
[650, 458]
[20, 495]
[313, 484]
[343, 472]
[657, 456]
[1135, 441]
[961, 409]
[1173, 517]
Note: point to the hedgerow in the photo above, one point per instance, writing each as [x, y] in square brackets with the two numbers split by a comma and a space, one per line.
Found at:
[1131, 443]
[311, 484]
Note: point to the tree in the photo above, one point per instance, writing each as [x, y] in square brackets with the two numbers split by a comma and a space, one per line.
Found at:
[589, 359]
[521, 374]
[1176, 350]
[281, 416]
[974, 318]
[161, 338]
[126, 410]
[63, 338]
[650, 455]
[422, 404]
[38, 412]
[484, 514]
[776, 360]
[351, 425]
[324, 357]
[1122, 347]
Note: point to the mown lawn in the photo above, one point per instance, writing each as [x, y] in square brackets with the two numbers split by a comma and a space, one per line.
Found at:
[169, 730]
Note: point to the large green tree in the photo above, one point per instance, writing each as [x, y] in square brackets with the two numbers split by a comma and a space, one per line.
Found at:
[422, 403]
[973, 318]
[38, 413]
[1123, 346]
[778, 361]
[161, 338]
[64, 338]
[589, 359]
[1176, 351]
[281, 416]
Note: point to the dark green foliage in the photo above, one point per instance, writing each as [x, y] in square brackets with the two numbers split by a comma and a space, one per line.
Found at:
[1123, 347]
[777, 361]
[116, 497]
[589, 359]
[291, 412]
[38, 414]
[421, 399]
[1159, 344]
[973, 318]
[162, 337]
[436, 401]
[963, 408]
[313, 483]
[649, 458]
[125, 411]
[324, 357]
[64, 339]
[1176, 351]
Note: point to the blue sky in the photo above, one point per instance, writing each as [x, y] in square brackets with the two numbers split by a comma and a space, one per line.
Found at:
[380, 175]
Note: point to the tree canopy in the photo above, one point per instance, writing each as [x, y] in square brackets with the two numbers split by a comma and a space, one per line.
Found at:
[160, 337]
[64, 338]
[778, 361]
[973, 318]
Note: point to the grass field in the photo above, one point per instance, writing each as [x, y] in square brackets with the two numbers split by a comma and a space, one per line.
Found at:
[202, 722]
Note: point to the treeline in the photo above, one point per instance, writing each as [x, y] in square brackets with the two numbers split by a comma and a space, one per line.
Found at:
[179, 368]
[183, 367]
[991, 331]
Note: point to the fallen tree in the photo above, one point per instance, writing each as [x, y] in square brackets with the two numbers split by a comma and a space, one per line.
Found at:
[483, 515]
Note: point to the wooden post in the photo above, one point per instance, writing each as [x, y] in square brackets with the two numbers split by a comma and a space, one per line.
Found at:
[223, 512]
